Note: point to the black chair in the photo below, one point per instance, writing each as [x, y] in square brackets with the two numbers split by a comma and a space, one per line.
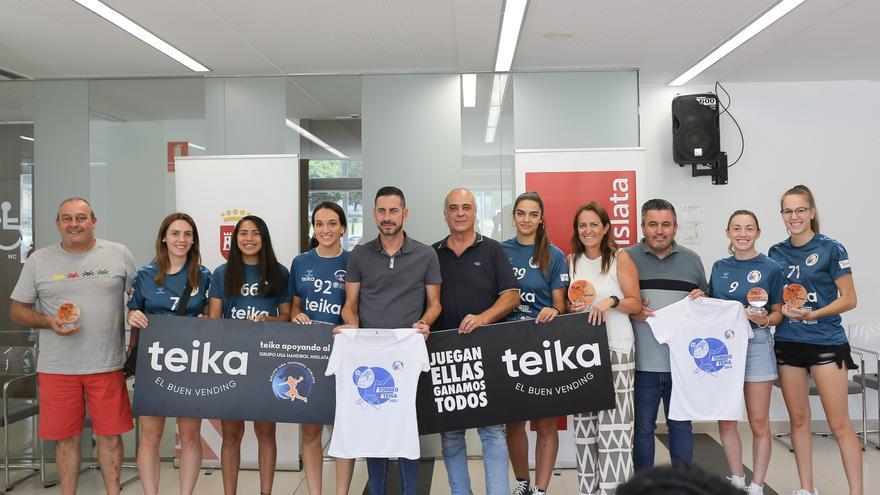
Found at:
[14, 411]
[865, 338]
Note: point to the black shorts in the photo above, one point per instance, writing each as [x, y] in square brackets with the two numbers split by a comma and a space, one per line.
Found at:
[804, 355]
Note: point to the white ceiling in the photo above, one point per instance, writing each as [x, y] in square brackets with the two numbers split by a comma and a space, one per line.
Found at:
[820, 40]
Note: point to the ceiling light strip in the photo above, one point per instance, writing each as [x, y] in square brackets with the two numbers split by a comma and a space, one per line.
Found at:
[511, 24]
[469, 90]
[142, 34]
[26, 138]
[311, 137]
[761, 23]
[496, 100]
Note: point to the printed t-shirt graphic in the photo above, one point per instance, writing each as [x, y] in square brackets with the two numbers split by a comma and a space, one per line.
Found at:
[248, 304]
[155, 300]
[708, 339]
[320, 284]
[816, 266]
[734, 279]
[535, 289]
[377, 372]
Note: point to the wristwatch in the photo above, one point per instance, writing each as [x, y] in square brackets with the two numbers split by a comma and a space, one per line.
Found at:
[616, 301]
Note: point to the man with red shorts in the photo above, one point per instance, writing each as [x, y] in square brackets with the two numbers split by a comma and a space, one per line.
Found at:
[80, 362]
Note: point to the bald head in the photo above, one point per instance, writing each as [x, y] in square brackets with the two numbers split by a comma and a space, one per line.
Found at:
[459, 195]
[460, 210]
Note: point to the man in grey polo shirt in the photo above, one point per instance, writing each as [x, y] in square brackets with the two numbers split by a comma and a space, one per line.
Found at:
[80, 362]
[392, 281]
[667, 273]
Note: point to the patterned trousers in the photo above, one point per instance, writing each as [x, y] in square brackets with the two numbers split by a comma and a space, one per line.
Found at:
[604, 439]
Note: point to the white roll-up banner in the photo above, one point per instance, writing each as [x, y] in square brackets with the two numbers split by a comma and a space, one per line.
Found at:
[217, 191]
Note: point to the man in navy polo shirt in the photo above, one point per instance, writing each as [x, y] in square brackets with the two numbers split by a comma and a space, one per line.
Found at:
[478, 288]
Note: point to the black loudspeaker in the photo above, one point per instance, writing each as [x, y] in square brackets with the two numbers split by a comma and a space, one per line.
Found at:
[695, 135]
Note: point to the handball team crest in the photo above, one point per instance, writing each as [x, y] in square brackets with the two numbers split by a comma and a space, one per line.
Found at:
[230, 218]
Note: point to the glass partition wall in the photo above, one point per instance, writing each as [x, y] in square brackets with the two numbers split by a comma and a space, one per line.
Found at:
[114, 142]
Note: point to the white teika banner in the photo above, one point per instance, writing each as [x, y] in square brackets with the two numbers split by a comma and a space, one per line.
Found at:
[217, 191]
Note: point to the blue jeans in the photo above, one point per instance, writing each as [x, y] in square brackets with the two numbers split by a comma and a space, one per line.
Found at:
[377, 469]
[495, 460]
[650, 388]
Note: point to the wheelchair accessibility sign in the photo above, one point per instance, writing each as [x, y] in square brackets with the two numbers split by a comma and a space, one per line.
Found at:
[9, 223]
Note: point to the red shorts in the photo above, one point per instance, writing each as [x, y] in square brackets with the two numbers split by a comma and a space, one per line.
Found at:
[63, 400]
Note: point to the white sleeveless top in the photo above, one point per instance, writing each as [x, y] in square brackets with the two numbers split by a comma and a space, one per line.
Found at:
[620, 332]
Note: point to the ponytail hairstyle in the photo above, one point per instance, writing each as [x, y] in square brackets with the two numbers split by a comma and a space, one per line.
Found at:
[607, 247]
[193, 256]
[806, 193]
[271, 282]
[741, 212]
[541, 254]
[328, 205]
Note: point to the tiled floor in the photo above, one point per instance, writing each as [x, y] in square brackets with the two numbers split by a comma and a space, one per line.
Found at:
[782, 475]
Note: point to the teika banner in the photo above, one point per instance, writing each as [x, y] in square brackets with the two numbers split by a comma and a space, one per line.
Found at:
[234, 369]
[514, 371]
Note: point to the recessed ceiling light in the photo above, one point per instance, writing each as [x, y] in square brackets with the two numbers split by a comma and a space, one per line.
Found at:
[142, 34]
[559, 35]
[196, 146]
[758, 25]
[27, 138]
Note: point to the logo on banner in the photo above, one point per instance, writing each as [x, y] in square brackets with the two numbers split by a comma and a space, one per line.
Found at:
[292, 381]
[614, 190]
[230, 218]
[375, 386]
[710, 355]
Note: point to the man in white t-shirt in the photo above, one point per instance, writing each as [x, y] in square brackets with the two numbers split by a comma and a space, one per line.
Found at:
[708, 340]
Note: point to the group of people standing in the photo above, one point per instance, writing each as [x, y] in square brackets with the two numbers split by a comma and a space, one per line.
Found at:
[462, 282]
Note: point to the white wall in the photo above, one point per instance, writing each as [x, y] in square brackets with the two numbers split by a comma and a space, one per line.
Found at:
[576, 109]
[822, 134]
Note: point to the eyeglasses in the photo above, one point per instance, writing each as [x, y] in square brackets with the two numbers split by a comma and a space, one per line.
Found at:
[797, 211]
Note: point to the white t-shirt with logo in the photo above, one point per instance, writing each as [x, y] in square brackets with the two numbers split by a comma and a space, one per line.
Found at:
[377, 373]
[708, 340]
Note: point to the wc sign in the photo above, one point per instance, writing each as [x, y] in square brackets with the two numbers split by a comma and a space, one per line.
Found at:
[9, 242]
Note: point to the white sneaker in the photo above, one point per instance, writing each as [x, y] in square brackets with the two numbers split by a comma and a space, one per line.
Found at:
[737, 481]
[754, 489]
[801, 491]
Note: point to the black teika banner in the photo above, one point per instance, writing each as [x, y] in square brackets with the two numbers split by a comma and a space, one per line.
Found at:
[234, 369]
[514, 371]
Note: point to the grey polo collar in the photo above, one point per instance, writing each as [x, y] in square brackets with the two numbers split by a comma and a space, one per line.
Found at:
[406, 248]
[647, 250]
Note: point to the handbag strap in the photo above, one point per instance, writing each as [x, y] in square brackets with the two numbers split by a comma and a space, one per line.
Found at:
[184, 299]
